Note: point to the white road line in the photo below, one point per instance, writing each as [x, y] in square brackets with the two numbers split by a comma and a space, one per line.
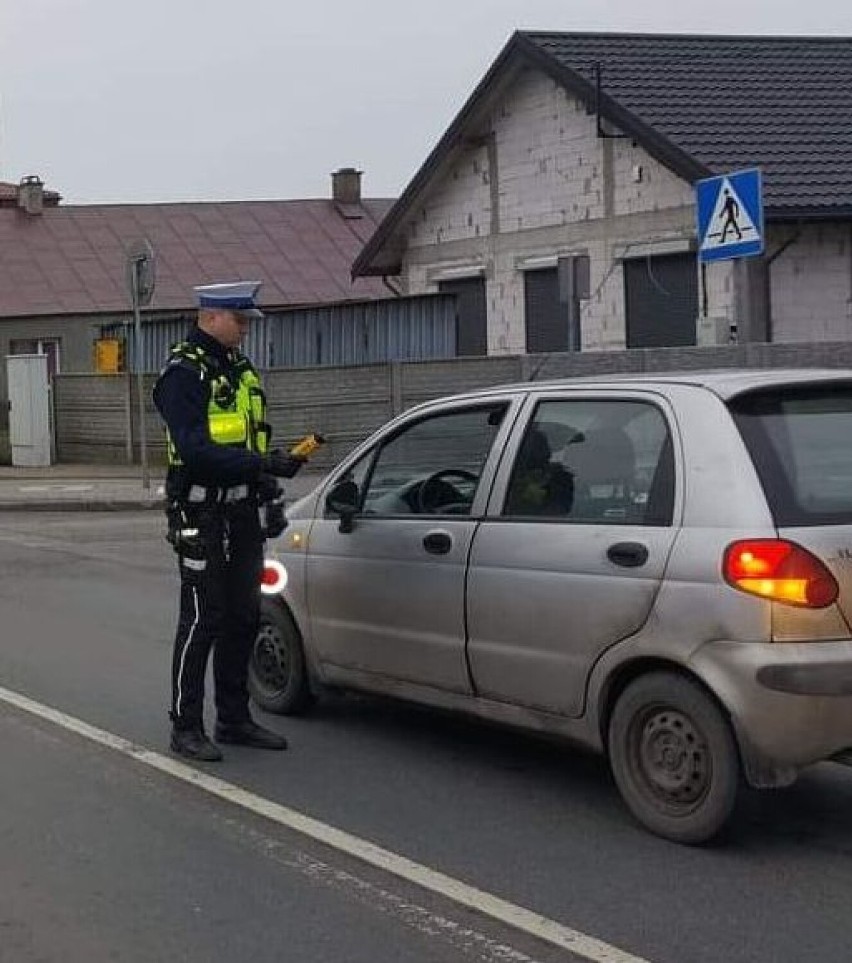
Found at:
[459, 892]
[469, 941]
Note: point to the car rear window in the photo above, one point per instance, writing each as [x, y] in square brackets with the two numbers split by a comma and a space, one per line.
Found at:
[800, 439]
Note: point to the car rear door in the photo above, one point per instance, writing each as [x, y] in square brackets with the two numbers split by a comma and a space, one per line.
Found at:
[573, 549]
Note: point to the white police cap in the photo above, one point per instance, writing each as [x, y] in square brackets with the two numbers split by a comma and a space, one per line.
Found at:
[234, 296]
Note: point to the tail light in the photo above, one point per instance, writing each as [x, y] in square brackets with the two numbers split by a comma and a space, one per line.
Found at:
[781, 571]
[273, 578]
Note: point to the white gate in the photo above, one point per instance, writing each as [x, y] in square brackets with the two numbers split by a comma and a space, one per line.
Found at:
[29, 409]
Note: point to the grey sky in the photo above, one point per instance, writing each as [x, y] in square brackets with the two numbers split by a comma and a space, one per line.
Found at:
[112, 101]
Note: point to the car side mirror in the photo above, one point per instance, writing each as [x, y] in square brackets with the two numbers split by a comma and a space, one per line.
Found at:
[343, 500]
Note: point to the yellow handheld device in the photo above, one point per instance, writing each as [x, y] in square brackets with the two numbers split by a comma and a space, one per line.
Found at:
[307, 446]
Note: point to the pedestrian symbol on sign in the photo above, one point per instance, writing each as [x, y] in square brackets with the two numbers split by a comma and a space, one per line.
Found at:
[731, 210]
[730, 216]
[730, 223]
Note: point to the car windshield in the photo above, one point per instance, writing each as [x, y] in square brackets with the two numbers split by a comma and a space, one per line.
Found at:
[800, 440]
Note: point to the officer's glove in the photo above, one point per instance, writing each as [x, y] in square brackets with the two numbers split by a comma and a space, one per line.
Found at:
[274, 520]
[267, 487]
[282, 464]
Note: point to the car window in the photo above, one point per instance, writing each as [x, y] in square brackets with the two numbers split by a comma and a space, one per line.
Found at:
[605, 462]
[433, 466]
[798, 439]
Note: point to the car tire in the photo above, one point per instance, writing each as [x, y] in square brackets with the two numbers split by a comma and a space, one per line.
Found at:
[674, 758]
[278, 678]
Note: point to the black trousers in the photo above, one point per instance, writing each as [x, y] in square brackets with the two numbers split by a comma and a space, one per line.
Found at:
[219, 611]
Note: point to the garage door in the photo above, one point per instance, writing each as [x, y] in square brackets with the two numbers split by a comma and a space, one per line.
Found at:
[661, 297]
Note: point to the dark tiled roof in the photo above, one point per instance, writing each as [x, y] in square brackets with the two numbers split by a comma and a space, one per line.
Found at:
[780, 103]
[70, 259]
[700, 105]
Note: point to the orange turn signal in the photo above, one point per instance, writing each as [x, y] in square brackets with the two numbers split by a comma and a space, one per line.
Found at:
[780, 571]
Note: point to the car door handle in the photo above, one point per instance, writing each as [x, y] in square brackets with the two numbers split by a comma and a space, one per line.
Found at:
[437, 543]
[628, 554]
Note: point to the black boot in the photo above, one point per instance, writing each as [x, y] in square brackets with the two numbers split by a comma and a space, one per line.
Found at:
[194, 744]
[249, 733]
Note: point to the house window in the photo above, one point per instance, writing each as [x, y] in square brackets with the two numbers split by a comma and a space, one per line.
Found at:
[471, 314]
[661, 296]
[48, 346]
[546, 317]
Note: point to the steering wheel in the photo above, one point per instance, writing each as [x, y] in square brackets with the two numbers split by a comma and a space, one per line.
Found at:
[430, 489]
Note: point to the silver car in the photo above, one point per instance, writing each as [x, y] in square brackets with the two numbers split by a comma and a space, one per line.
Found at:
[659, 568]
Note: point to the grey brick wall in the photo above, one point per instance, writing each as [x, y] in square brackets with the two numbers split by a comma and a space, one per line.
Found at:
[811, 283]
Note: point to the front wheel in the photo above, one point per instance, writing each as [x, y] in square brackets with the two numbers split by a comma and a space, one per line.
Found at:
[674, 757]
[278, 678]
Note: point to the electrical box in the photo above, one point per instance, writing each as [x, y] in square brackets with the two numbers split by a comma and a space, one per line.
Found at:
[711, 332]
[109, 355]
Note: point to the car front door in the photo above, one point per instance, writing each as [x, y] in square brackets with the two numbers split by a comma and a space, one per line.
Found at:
[574, 547]
[386, 598]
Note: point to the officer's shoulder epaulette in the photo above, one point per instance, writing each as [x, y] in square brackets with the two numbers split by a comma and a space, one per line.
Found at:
[188, 355]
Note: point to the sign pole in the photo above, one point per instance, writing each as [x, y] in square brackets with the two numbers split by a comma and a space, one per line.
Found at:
[140, 274]
[730, 227]
[140, 376]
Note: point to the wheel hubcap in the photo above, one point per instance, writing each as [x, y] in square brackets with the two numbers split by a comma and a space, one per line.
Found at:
[673, 757]
[271, 659]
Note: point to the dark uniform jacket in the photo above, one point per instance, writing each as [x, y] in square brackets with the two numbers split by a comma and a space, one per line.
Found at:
[182, 397]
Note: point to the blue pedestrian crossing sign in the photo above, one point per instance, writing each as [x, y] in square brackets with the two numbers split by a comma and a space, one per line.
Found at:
[730, 216]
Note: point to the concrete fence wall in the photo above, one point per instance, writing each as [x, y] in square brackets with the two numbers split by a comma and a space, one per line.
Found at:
[95, 416]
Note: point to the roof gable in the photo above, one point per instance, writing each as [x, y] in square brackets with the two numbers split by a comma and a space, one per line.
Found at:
[699, 105]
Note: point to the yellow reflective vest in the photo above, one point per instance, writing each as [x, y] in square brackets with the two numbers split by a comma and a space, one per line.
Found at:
[236, 411]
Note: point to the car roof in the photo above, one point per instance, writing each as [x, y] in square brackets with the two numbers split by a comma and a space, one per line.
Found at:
[726, 383]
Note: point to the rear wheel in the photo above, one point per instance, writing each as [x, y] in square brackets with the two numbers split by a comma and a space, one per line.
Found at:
[674, 757]
[278, 678]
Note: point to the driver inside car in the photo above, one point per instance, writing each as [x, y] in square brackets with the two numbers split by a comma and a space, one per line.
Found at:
[539, 485]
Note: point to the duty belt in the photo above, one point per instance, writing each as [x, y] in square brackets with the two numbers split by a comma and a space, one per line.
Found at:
[199, 494]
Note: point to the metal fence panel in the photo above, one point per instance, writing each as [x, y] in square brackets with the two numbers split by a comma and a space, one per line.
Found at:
[364, 332]
[159, 334]
[395, 329]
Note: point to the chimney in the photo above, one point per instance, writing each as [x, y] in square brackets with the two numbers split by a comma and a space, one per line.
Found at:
[346, 186]
[31, 194]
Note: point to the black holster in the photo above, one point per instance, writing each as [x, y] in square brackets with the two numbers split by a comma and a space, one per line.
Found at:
[184, 536]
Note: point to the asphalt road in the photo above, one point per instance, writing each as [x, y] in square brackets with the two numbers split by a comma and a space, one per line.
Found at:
[107, 859]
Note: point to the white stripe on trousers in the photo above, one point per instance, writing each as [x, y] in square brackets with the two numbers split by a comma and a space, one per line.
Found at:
[186, 646]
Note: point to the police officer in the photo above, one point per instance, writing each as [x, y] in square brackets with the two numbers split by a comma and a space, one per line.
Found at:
[220, 471]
